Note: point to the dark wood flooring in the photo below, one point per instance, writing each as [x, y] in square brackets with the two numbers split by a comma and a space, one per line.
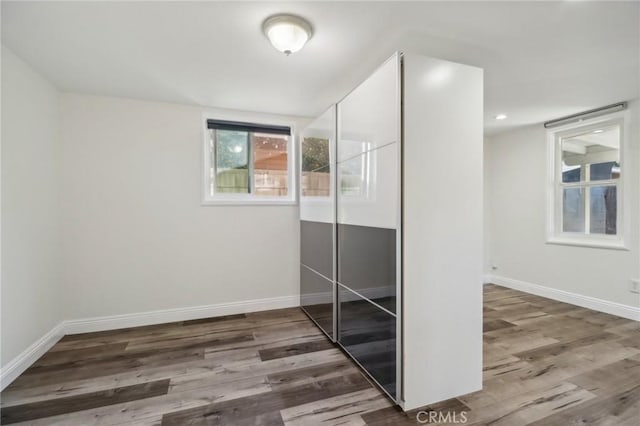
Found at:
[545, 363]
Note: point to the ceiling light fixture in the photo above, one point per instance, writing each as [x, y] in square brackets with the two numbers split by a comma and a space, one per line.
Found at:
[501, 116]
[287, 33]
[598, 131]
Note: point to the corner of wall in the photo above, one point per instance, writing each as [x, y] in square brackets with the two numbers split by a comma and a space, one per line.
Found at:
[30, 270]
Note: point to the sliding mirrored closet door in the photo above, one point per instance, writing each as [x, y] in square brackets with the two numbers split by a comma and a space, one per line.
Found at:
[389, 252]
[368, 231]
[317, 221]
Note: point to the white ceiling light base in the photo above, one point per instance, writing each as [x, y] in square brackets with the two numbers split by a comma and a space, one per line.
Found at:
[287, 33]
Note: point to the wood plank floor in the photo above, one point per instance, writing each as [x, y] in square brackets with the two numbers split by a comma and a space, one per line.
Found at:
[545, 363]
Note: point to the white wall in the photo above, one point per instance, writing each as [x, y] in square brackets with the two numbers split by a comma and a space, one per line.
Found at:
[515, 177]
[32, 296]
[135, 236]
[102, 215]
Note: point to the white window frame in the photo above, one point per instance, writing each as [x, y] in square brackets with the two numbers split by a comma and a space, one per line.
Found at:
[620, 241]
[221, 199]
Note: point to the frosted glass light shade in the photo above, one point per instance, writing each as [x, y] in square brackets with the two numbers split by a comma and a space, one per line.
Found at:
[287, 33]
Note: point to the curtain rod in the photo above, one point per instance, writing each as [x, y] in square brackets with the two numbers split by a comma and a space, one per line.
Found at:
[586, 115]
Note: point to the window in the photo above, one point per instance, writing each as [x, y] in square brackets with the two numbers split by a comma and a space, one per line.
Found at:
[247, 163]
[587, 172]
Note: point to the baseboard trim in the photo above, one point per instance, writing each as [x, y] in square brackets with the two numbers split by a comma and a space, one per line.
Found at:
[19, 364]
[114, 322]
[613, 308]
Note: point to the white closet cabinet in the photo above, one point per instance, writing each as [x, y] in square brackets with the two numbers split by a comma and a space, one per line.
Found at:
[400, 240]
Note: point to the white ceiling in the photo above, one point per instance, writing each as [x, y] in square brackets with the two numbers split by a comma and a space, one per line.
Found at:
[542, 60]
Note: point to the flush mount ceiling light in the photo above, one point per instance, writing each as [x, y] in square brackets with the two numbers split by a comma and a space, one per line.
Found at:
[501, 116]
[287, 33]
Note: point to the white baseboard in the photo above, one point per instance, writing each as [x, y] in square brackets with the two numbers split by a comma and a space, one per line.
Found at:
[114, 322]
[23, 361]
[613, 308]
[19, 364]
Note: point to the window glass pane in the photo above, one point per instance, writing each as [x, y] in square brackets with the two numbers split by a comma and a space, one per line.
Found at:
[603, 210]
[316, 170]
[573, 210]
[598, 151]
[605, 171]
[270, 169]
[232, 161]
[571, 173]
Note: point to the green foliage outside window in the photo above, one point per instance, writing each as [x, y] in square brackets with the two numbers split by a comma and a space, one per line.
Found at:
[232, 149]
[315, 154]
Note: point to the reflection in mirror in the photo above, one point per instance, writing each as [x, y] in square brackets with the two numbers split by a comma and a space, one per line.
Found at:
[355, 176]
[350, 148]
[316, 168]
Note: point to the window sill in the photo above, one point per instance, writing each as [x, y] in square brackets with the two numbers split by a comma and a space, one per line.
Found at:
[588, 243]
[246, 202]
